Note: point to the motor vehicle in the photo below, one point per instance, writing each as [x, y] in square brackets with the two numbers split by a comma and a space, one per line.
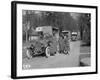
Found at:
[46, 44]
[74, 36]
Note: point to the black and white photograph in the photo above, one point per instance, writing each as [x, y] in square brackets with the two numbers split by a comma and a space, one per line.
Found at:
[53, 39]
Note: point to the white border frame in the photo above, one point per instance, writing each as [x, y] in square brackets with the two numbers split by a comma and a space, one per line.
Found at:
[35, 72]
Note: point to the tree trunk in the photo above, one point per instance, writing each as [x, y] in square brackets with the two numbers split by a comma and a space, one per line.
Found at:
[26, 36]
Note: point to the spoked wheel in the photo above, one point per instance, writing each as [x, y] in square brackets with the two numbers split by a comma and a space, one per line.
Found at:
[29, 56]
[65, 51]
[47, 51]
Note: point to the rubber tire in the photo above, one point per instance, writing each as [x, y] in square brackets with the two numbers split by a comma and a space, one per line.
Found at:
[47, 52]
[65, 51]
[28, 54]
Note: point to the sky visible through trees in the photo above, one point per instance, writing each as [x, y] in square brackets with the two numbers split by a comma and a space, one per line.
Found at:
[46, 18]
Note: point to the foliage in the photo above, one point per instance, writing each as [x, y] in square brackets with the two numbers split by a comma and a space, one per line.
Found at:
[45, 18]
[85, 27]
[61, 20]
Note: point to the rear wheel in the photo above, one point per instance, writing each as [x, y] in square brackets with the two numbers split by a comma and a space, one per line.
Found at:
[65, 51]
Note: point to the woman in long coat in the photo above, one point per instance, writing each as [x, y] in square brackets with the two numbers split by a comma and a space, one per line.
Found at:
[64, 44]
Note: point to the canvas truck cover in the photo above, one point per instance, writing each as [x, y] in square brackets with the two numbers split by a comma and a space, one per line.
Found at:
[45, 29]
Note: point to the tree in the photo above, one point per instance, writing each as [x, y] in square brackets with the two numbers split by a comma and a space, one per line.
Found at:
[26, 24]
[85, 27]
[61, 20]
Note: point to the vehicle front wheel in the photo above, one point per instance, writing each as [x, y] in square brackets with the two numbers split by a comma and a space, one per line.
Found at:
[29, 56]
[47, 52]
